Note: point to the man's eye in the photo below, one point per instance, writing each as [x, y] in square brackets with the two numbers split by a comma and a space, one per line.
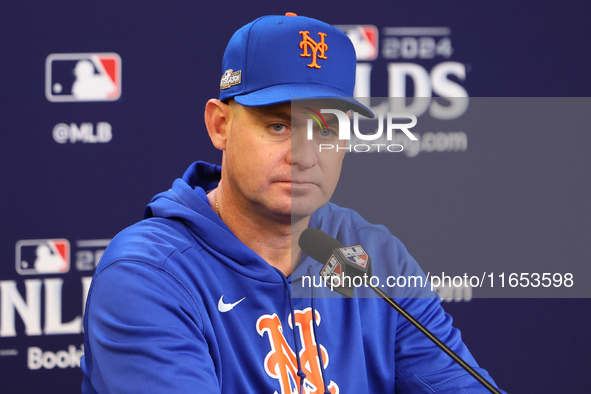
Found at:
[326, 133]
[278, 127]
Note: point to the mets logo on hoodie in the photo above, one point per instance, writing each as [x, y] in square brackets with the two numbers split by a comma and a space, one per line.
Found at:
[281, 362]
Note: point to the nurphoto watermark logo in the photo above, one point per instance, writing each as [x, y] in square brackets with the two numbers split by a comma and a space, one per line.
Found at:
[370, 140]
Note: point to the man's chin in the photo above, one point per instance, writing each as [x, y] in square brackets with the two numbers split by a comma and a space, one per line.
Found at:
[303, 208]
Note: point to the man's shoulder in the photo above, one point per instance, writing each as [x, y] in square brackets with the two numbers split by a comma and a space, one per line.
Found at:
[341, 221]
[151, 241]
[350, 228]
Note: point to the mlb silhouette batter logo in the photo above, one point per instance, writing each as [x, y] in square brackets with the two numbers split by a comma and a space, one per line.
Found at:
[83, 77]
[42, 256]
[281, 362]
[364, 39]
[356, 255]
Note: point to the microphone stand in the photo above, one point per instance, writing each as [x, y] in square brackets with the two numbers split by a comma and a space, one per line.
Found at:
[435, 340]
[320, 246]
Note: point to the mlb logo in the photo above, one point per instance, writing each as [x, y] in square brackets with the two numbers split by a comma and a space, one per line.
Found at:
[332, 271]
[356, 255]
[332, 267]
[42, 256]
[364, 39]
[71, 77]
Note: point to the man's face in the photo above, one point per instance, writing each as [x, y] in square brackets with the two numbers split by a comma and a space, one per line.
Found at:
[272, 167]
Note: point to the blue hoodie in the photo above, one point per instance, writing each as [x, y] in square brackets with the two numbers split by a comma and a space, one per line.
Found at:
[179, 304]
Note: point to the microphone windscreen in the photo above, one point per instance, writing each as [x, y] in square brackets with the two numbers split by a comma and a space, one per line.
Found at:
[317, 244]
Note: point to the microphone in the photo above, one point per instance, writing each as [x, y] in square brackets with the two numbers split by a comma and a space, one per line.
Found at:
[342, 264]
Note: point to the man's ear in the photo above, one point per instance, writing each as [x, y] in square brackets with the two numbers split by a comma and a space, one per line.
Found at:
[217, 120]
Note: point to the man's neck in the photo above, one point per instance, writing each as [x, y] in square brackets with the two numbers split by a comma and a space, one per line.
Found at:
[274, 239]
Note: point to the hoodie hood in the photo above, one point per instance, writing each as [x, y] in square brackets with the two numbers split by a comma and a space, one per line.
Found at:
[187, 201]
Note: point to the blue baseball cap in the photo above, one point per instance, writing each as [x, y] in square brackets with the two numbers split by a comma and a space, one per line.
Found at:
[276, 58]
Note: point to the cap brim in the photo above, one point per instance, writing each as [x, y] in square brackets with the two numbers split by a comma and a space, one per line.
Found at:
[286, 93]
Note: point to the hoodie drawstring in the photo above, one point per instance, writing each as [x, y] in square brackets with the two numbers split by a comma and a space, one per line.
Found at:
[300, 373]
[318, 348]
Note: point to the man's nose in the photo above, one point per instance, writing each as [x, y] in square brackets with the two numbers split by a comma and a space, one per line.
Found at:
[303, 151]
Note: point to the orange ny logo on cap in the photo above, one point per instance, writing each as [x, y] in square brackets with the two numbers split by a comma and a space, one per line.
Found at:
[314, 46]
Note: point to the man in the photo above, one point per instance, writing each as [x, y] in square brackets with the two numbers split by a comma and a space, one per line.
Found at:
[198, 297]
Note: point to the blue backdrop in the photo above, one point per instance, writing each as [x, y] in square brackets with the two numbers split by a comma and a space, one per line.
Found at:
[79, 164]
